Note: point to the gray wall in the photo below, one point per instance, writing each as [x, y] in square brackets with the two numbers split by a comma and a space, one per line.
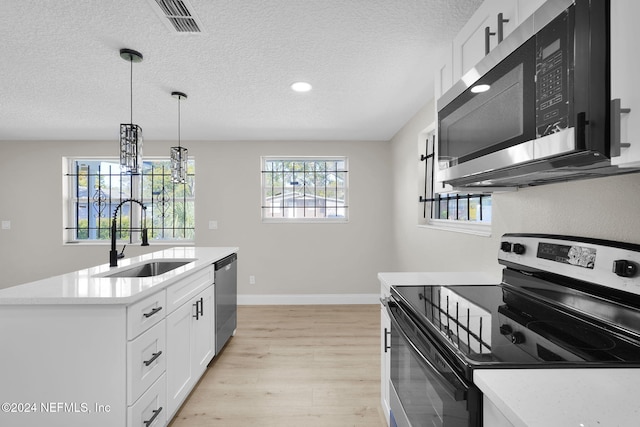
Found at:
[285, 258]
[606, 208]
[382, 234]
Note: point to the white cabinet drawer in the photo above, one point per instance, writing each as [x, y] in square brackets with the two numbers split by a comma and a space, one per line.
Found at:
[151, 404]
[146, 313]
[183, 291]
[146, 360]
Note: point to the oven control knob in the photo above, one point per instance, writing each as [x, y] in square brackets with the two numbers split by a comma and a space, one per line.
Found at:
[505, 329]
[518, 248]
[517, 338]
[624, 268]
[505, 246]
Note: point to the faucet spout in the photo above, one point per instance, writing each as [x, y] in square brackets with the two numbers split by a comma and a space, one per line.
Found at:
[113, 253]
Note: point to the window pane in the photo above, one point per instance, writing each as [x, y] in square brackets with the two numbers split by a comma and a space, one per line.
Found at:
[452, 209]
[97, 188]
[304, 189]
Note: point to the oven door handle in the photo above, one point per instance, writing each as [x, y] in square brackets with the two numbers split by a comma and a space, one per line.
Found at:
[458, 393]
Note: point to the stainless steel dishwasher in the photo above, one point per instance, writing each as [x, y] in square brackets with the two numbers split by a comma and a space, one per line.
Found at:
[226, 299]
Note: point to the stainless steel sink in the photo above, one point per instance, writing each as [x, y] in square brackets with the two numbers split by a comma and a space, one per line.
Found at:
[154, 268]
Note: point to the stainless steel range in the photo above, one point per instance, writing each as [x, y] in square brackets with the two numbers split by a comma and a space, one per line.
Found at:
[563, 302]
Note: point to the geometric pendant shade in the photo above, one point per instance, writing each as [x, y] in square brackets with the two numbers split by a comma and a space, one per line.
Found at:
[130, 133]
[179, 154]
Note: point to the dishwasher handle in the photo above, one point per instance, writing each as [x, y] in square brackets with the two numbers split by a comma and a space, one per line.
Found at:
[219, 265]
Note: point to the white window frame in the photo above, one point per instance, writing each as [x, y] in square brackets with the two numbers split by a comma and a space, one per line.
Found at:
[315, 219]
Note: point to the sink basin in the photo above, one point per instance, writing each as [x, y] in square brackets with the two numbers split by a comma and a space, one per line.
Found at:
[154, 268]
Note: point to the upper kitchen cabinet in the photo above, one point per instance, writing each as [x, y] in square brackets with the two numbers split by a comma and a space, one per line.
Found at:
[444, 72]
[493, 19]
[625, 104]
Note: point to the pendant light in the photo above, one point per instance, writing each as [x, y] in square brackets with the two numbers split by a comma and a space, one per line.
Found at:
[130, 133]
[179, 154]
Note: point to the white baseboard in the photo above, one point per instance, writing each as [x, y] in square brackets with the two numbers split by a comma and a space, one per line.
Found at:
[293, 299]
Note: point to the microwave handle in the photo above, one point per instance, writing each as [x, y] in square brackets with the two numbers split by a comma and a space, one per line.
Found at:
[616, 111]
[458, 393]
[487, 40]
[501, 22]
[581, 130]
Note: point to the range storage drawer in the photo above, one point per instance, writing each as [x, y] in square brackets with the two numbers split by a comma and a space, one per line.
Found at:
[146, 313]
[146, 360]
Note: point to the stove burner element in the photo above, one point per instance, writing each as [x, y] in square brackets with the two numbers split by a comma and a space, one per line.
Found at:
[572, 335]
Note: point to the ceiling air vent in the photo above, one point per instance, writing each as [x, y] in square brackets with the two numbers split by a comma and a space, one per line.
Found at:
[178, 15]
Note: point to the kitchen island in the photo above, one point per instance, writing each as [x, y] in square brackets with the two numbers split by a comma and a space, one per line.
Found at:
[104, 347]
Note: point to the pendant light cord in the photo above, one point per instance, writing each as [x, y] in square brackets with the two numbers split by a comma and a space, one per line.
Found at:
[131, 89]
[179, 98]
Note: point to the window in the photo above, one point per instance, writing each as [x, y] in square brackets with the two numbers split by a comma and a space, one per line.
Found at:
[95, 187]
[440, 206]
[296, 189]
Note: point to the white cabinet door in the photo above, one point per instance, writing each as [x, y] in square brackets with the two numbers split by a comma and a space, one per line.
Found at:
[204, 331]
[624, 66]
[444, 73]
[180, 347]
[190, 346]
[385, 360]
[469, 44]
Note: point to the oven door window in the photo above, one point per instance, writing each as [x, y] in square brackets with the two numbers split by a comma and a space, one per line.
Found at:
[428, 390]
[477, 123]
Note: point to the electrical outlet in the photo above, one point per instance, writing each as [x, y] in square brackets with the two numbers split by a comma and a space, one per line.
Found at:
[252, 280]
[213, 225]
[6, 225]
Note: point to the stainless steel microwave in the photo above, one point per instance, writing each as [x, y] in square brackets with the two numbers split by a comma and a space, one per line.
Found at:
[535, 109]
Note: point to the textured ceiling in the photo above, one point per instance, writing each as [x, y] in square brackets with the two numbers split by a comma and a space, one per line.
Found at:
[370, 63]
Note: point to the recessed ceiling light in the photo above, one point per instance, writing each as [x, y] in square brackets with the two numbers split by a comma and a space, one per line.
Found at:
[301, 87]
[480, 88]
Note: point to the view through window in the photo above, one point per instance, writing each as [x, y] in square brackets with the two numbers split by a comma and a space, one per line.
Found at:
[438, 202]
[305, 189]
[95, 187]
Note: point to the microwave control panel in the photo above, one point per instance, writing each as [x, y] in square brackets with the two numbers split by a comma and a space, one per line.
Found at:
[552, 75]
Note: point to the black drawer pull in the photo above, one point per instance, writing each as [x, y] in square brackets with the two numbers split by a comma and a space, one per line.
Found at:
[154, 357]
[387, 347]
[197, 315]
[153, 418]
[152, 312]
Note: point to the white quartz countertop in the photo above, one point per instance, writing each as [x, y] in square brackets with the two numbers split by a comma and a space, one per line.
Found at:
[89, 287]
[564, 397]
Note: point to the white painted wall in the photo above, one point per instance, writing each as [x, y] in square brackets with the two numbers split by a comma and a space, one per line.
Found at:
[606, 208]
[284, 258]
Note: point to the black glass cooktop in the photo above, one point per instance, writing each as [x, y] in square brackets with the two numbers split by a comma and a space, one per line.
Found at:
[534, 323]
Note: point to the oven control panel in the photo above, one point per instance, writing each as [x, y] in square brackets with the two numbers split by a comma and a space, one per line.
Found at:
[603, 262]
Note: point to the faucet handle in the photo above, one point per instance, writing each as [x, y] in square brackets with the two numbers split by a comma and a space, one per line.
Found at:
[121, 254]
[145, 237]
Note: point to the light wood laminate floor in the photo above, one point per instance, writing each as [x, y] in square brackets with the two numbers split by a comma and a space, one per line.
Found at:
[310, 365]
